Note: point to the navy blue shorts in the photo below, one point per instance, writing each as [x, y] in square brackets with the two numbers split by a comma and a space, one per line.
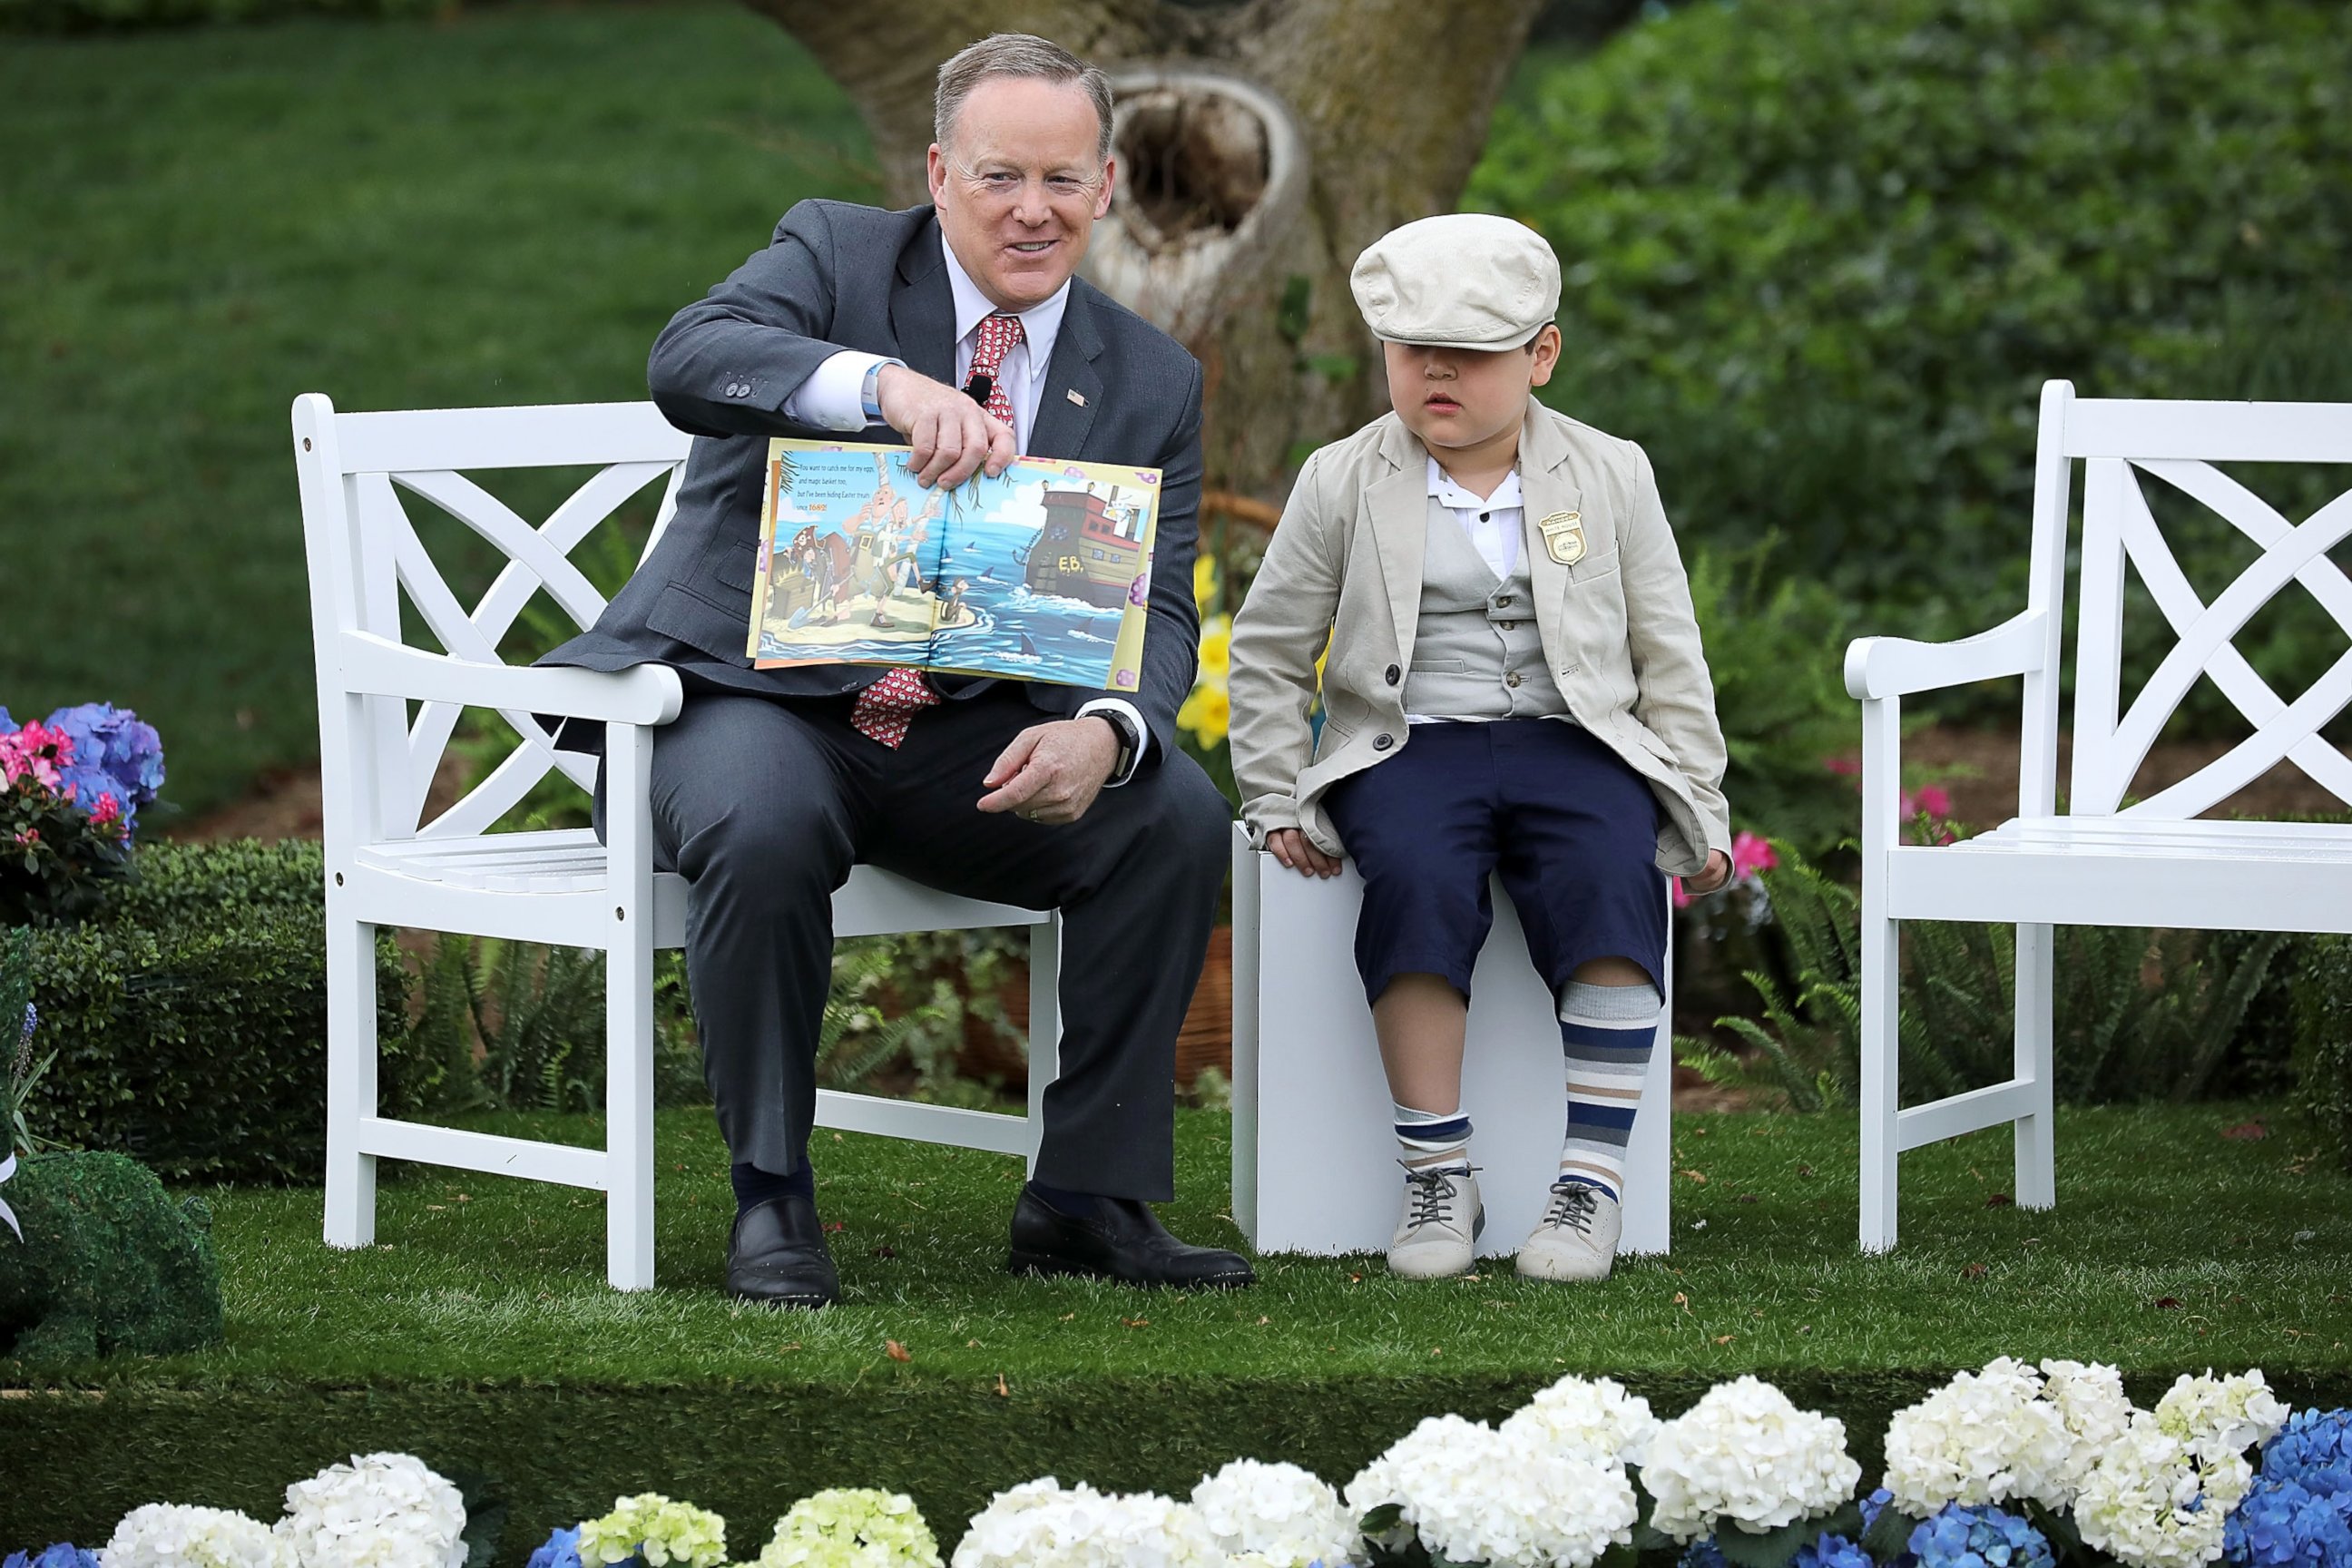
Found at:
[1572, 829]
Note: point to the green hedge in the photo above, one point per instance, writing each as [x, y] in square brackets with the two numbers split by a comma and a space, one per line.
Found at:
[1820, 255]
[190, 1022]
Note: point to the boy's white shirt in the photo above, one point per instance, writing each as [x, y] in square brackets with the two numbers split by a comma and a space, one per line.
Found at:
[1346, 561]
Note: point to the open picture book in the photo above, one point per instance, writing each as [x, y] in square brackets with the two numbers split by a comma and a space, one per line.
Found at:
[1042, 573]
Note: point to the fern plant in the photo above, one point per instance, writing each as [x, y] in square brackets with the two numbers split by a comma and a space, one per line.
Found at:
[2136, 1015]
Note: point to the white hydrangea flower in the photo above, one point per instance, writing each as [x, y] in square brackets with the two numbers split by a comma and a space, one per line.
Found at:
[172, 1535]
[1472, 1494]
[2219, 1416]
[2091, 1400]
[852, 1528]
[1744, 1456]
[1040, 1525]
[1581, 1418]
[382, 1511]
[2154, 1501]
[1279, 1516]
[1984, 1438]
[651, 1526]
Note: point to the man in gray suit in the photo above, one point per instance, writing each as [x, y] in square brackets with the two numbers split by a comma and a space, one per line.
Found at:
[957, 327]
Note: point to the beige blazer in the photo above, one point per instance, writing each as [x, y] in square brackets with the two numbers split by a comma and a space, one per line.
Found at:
[1346, 561]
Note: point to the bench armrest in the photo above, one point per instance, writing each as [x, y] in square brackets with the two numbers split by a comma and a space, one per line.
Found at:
[372, 665]
[1890, 666]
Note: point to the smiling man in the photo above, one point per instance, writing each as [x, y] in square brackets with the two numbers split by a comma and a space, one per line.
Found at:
[959, 327]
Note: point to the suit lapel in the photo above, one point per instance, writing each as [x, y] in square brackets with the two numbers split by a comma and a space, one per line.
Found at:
[922, 308]
[1062, 421]
[1398, 509]
[1545, 491]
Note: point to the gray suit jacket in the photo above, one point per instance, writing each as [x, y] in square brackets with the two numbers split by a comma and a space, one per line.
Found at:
[838, 276]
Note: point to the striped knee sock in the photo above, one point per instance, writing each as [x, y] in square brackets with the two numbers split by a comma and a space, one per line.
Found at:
[1431, 1141]
[1607, 1033]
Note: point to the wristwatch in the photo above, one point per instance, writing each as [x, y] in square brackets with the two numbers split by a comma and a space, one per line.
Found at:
[871, 394]
[1130, 741]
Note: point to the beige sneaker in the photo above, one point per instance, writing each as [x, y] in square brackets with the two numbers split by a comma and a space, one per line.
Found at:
[1439, 1231]
[1577, 1237]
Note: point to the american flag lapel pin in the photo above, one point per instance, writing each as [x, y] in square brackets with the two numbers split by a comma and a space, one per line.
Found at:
[1078, 398]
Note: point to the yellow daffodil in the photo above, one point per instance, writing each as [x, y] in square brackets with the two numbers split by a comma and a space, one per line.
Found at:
[1207, 713]
[1204, 580]
[1216, 646]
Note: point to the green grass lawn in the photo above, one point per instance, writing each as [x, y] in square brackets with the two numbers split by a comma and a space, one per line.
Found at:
[195, 226]
[478, 1332]
[2171, 1246]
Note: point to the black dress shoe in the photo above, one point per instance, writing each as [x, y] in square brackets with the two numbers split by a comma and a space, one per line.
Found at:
[1121, 1240]
[776, 1256]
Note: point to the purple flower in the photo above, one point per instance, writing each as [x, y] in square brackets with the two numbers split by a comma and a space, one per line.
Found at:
[119, 743]
[562, 1550]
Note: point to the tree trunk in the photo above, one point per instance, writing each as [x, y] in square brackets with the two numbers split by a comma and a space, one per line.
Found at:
[1262, 146]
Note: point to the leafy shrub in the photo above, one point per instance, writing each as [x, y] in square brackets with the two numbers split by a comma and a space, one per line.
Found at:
[2136, 1015]
[90, 16]
[1775, 643]
[1819, 257]
[190, 1024]
[2323, 1044]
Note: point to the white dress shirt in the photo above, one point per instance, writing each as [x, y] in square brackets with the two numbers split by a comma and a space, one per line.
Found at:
[834, 399]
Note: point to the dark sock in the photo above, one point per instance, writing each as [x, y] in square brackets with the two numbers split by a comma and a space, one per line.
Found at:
[754, 1186]
[1076, 1206]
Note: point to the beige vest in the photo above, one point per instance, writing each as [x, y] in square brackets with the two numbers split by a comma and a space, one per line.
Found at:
[1478, 652]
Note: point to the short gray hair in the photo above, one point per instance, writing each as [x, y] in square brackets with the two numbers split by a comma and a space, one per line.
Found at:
[1016, 54]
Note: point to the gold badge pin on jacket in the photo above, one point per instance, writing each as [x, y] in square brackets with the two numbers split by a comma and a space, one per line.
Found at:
[1563, 534]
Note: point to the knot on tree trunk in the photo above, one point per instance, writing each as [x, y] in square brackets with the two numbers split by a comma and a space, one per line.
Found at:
[1213, 170]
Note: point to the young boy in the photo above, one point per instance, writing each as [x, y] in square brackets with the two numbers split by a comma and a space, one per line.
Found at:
[1514, 684]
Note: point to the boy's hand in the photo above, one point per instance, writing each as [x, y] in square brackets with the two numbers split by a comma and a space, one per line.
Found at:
[1290, 846]
[1716, 877]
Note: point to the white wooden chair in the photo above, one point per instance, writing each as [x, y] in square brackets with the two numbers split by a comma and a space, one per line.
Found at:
[388, 866]
[1314, 1150]
[2101, 862]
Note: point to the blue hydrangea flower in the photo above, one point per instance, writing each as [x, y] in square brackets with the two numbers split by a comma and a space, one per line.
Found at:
[116, 745]
[1978, 1538]
[562, 1550]
[1701, 1554]
[64, 1553]
[1826, 1552]
[2298, 1512]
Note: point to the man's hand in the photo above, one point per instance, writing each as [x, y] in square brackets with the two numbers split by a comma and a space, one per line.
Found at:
[1290, 846]
[1052, 773]
[1714, 878]
[949, 436]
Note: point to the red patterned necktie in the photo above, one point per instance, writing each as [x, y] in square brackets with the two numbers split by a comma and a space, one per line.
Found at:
[998, 333]
[884, 708]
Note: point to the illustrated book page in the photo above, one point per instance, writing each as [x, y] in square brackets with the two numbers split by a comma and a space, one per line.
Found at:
[1043, 572]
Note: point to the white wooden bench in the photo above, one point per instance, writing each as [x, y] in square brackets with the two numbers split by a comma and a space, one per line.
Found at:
[2152, 862]
[388, 865]
[1314, 1147]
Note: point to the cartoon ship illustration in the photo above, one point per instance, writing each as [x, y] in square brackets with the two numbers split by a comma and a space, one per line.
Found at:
[1089, 549]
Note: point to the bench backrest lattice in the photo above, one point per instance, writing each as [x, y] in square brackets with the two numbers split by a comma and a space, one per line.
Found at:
[2126, 447]
[370, 557]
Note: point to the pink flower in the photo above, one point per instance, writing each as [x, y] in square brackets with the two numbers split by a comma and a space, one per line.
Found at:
[1750, 854]
[1935, 800]
[107, 813]
[29, 835]
[1849, 767]
[1682, 900]
[38, 750]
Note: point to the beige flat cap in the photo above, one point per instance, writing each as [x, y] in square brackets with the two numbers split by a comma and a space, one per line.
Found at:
[1463, 280]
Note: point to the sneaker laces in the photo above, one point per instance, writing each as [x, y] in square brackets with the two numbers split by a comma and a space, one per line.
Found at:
[1572, 1205]
[1432, 1193]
